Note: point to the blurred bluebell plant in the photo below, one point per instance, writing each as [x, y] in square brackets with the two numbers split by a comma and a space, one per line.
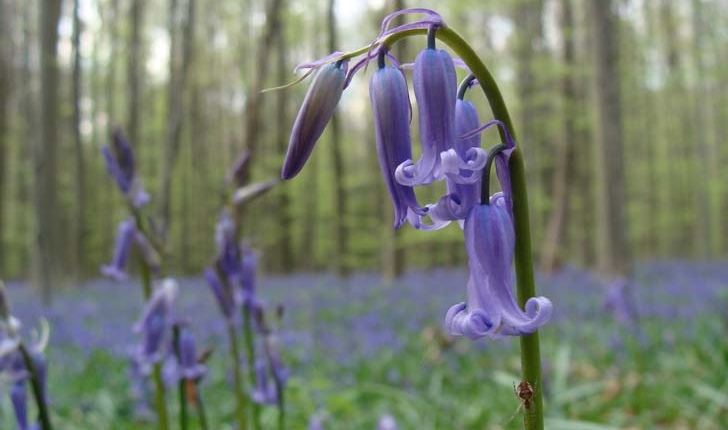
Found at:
[232, 277]
[22, 365]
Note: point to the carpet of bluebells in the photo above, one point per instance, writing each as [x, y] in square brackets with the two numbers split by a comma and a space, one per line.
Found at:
[358, 350]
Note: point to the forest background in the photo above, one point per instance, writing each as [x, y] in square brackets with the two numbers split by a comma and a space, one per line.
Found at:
[620, 111]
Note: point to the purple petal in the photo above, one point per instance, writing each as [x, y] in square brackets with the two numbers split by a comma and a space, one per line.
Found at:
[318, 107]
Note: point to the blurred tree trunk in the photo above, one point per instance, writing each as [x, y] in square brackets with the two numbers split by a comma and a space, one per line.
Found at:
[47, 253]
[110, 22]
[708, 234]
[254, 97]
[563, 157]
[284, 243]
[179, 63]
[528, 16]
[79, 226]
[393, 255]
[340, 251]
[613, 255]
[5, 78]
[134, 72]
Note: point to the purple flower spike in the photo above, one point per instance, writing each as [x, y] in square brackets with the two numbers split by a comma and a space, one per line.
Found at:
[189, 367]
[391, 107]
[435, 84]
[318, 107]
[155, 322]
[492, 309]
[223, 295]
[228, 251]
[124, 239]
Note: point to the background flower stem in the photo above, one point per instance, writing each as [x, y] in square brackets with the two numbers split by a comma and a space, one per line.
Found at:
[250, 360]
[182, 384]
[240, 406]
[37, 388]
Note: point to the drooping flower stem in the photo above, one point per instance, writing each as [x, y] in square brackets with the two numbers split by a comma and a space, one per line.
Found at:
[201, 414]
[238, 382]
[250, 360]
[159, 391]
[38, 394]
[182, 384]
[525, 283]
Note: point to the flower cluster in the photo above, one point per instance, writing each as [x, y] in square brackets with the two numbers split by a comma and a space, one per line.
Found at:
[449, 129]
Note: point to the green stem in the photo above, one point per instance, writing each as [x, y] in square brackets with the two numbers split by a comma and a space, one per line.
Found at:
[525, 283]
[182, 384]
[240, 407]
[159, 396]
[160, 400]
[38, 394]
[250, 359]
[201, 414]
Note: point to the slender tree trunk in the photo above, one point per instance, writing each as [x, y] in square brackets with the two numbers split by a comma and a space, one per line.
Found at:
[613, 256]
[340, 251]
[254, 103]
[45, 161]
[708, 223]
[80, 174]
[393, 255]
[5, 78]
[563, 157]
[285, 248]
[134, 72]
[178, 71]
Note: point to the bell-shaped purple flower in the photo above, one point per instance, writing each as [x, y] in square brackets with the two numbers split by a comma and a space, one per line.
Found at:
[124, 240]
[19, 399]
[189, 368]
[248, 276]
[155, 323]
[435, 84]
[463, 188]
[121, 167]
[318, 107]
[223, 294]
[265, 391]
[491, 309]
[391, 107]
[228, 250]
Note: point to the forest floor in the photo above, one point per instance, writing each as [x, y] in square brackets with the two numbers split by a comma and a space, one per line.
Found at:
[358, 349]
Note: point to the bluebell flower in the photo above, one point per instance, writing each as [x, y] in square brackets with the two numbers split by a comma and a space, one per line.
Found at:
[155, 323]
[125, 236]
[435, 84]
[463, 188]
[391, 108]
[19, 399]
[237, 172]
[265, 391]
[122, 168]
[189, 368]
[491, 309]
[248, 276]
[229, 260]
[223, 294]
[387, 422]
[315, 113]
